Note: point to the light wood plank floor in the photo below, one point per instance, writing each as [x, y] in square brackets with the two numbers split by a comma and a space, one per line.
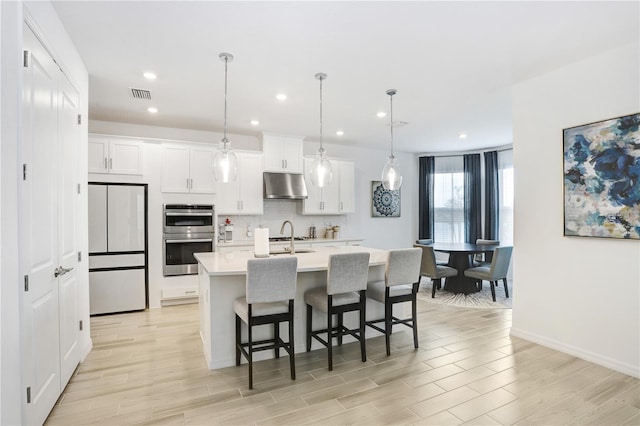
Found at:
[148, 368]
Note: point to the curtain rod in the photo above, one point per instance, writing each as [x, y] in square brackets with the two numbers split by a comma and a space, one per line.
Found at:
[461, 153]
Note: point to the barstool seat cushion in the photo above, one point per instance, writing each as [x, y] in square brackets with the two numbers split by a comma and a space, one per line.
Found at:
[318, 298]
[241, 308]
[376, 290]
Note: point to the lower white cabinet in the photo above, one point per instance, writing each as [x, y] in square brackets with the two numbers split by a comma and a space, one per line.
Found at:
[244, 196]
[335, 198]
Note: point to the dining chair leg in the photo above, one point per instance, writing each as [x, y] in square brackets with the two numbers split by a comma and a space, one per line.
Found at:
[506, 289]
[434, 283]
[493, 290]
[276, 337]
[292, 346]
[414, 318]
[340, 318]
[238, 332]
[309, 319]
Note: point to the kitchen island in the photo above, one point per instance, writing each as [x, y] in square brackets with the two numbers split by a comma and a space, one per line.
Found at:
[222, 278]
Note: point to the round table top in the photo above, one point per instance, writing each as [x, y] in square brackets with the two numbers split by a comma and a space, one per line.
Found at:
[463, 247]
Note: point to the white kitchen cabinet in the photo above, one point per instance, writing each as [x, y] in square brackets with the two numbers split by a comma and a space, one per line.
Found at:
[335, 198]
[188, 169]
[282, 153]
[346, 182]
[115, 156]
[244, 196]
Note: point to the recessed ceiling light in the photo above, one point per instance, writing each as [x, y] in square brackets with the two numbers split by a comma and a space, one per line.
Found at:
[254, 122]
[150, 75]
[381, 114]
[281, 96]
[462, 136]
[152, 110]
[339, 133]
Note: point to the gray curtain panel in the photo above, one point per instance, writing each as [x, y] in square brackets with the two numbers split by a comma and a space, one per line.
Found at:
[425, 198]
[492, 194]
[472, 198]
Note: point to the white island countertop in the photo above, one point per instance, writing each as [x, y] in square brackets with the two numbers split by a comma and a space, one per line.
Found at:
[235, 263]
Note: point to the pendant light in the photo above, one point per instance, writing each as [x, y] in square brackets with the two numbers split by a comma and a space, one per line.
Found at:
[321, 171]
[391, 176]
[225, 161]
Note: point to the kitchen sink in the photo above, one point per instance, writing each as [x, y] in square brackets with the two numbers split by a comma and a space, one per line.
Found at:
[298, 250]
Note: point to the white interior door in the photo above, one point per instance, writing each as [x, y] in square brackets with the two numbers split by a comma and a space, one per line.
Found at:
[68, 137]
[39, 232]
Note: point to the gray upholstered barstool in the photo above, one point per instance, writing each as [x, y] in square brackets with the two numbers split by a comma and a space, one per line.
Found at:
[345, 292]
[401, 282]
[271, 288]
[431, 269]
[496, 271]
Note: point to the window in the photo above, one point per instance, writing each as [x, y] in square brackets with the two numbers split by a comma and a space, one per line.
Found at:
[448, 199]
[505, 181]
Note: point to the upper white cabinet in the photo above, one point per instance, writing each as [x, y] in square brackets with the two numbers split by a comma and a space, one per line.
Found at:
[282, 153]
[244, 196]
[188, 168]
[115, 155]
[335, 198]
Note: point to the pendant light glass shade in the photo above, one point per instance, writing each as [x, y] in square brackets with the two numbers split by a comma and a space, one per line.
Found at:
[321, 171]
[391, 175]
[225, 161]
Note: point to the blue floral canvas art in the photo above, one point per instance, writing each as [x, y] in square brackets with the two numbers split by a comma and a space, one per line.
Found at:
[384, 203]
[602, 179]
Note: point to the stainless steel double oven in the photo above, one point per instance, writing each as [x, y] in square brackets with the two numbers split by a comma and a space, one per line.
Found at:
[187, 229]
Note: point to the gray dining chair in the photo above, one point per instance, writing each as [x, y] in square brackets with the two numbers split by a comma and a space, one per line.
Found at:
[430, 269]
[401, 282]
[270, 290]
[496, 271]
[484, 259]
[345, 292]
[426, 241]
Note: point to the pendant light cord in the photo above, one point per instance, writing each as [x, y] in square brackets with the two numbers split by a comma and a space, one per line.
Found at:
[321, 148]
[224, 139]
[391, 123]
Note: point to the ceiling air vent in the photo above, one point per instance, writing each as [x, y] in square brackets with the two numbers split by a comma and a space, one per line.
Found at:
[140, 93]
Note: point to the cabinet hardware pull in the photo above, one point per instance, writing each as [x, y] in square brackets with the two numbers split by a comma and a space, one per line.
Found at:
[105, 163]
[191, 183]
[110, 163]
[193, 240]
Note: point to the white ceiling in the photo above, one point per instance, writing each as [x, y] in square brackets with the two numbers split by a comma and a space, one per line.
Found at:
[452, 63]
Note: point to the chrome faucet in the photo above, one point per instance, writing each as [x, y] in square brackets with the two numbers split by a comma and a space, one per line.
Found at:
[292, 250]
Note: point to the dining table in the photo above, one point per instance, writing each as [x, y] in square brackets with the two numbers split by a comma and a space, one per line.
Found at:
[460, 255]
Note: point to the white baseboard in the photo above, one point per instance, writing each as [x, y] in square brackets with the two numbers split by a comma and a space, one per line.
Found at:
[622, 367]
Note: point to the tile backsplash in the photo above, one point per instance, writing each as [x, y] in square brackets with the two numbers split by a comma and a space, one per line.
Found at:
[276, 212]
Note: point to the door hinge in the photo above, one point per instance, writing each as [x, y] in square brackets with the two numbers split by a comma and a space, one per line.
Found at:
[80, 325]
[79, 119]
[28, 394]
[24, 171]
[25, 59]
[26, 283]
[79, 256]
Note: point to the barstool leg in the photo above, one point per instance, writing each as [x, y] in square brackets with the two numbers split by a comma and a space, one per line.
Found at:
[238, 343]
[329, 339]
[276, 337]
[250, 353]
[363, 316]
[388, 309]
[309, 329]
[292, 346]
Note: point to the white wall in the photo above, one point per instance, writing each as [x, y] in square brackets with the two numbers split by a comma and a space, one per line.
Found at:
[578, 295]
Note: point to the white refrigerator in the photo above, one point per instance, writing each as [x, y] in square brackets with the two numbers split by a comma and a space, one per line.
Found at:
[118, 264]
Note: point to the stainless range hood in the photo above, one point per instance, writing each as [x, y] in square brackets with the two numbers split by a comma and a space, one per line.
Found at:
[289, 186]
